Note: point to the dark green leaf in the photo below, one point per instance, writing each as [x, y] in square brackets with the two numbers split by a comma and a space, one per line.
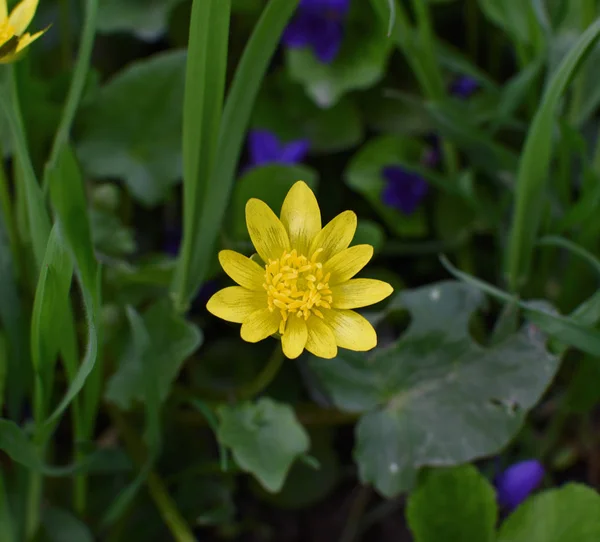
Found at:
[132, 128]
[453, 504]
[61, 526]
[435, 397]
[265, 438]
[569, 513]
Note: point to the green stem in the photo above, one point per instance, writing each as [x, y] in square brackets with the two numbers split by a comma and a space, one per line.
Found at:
[264, 378]
[7, 532]
[156, 487]
[65, 33]
[77, 83]
[9, 218]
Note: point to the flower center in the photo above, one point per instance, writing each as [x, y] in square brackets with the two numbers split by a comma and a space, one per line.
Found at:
[297, 285]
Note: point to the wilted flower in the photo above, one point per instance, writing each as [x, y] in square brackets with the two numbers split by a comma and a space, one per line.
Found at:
[303, 288]
[404, 190]
[265, 148]
[464, 87]
[13, 38]
[518, 481]
[318, 24]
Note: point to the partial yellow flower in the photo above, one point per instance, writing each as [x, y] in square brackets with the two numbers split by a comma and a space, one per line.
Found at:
[304, 291]
[13, 38]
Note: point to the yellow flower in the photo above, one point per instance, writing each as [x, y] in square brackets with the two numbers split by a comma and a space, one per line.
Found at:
[13, 38]
[305, 290]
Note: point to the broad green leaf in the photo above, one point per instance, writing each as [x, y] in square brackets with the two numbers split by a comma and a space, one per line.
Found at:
[268, 183]
[569, 513]
[265, 438]
[15, 443]
[435, 397]
[534, 165]
[131, 130]
[206, 197]
[61, 526]
[365, 175]
[146, 19]
[454, 504]
[360, 64]
[328, 130]
[172, 340]
[369, 233]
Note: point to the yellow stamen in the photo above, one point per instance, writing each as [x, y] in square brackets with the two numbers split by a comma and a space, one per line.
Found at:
[295, 284]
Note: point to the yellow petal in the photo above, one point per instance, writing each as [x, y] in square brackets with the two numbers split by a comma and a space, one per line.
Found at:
[22, 15]
[320, 340]
[243, 270]
[235, 303]
[359, 293]
[294, 338]
[259, 325]
[301, 216]
[10, 55]
[266, 231]
[351, 330]
[3, 10]
[345, 264]
[336, 236]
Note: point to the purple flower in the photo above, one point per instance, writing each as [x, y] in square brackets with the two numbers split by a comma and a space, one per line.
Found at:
[404, 190]
[318, 24]
[464, 87]
[516, 483]
[265, 148]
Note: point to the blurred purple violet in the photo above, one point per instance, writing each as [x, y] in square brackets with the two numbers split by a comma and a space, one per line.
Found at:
[517, 482]
[404, 190]
[464, 87]
[318, 24]
[265, 148]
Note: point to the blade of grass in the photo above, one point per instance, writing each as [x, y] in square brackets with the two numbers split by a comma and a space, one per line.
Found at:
[209, 210]
[82, 66]
[203, 103]
[534, 165]
[565, 329]
[557, 241]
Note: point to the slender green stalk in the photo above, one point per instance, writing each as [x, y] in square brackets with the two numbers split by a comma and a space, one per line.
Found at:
[156, 487]
[7, 532]
[6, 208]
[82, 66]
[264, 378]
[65, 32]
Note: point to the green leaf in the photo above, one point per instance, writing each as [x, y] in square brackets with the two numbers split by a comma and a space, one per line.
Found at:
[534, 166]
[206, 198]
[172, 341]
[369, 233]
[15, 443]
[359, 65]
[132, 128]
[146, 19]
[454, 504]
[61, 526]
[365, 175]
[415, 390]
[328, 130]
[269, 183]
[265, 438]
[513, 17]
[569, 513]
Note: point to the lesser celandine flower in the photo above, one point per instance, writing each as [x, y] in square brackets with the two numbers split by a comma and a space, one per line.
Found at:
[303, 288]
[13, 38]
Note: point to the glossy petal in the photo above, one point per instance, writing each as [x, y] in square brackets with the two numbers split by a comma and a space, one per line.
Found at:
[518, 481]
[3, 10]
[243, 270]
[351, 330]
[345, 264]
[294, 151]
[22, 15]
[301, 216]
[263, 146]
[259, 325]
[294, 339]
[268, 235]
[336, 236]
[235, 303]
[359, 293]
[321, 340]
[24, 41]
